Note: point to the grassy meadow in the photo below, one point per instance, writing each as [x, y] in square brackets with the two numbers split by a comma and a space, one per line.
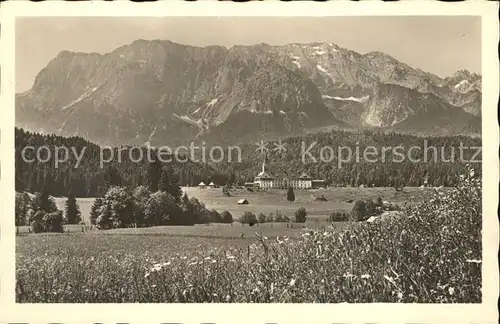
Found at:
[431, 254]
[272, 200]
[260, 202]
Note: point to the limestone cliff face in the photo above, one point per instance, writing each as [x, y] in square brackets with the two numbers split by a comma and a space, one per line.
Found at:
[393, 106]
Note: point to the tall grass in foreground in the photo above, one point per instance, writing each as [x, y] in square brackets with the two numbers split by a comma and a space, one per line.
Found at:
[431, 255]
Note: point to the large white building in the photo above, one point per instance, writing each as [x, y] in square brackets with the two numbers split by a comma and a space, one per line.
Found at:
[265, 180]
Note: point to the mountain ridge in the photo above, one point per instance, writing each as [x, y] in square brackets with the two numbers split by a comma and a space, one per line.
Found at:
[158, 90]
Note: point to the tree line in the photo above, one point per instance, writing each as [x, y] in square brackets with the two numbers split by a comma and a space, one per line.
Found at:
[41, 213]
[160, 203]
[90, 180]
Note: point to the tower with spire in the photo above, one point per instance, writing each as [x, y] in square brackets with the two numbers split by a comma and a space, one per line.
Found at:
[264, 164]
[265, 180]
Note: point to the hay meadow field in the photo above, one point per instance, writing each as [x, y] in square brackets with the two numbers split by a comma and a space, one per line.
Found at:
[272, 200]
[390, 261]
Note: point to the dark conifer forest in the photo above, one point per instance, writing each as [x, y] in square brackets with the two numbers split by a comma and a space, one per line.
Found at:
[89, 179]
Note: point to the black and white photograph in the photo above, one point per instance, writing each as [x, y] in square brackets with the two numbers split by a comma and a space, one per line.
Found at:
[252, 159]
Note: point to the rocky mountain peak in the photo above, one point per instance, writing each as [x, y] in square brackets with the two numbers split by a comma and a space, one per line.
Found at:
[152, 90]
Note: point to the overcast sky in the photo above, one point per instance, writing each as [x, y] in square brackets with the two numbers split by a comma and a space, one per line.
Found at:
[439, 44]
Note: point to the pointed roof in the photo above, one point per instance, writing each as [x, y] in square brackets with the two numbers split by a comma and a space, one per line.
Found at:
[304, 176]
[263, 175]
[211, 184]
[202, 184]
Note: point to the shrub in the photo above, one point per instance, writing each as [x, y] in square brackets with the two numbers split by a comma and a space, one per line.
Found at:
[188, 210]
[290, 195]
[338, 217]
[358, 211]
[43, 201]
[248, 218]
[73, 215]
[280, 218]
[54, 222]
[36, 221]
[118, 207]
[141, 196]
[215, 217]
[141, 193]
[227, 217]
[23, 204]
[38, 226]
[370, 209]
[160, 205]
[199, 211]
[104, 221]
[269, 218]
[168, 183]
[261, 218]
[42, 221]
[300, 215]
[95, 210]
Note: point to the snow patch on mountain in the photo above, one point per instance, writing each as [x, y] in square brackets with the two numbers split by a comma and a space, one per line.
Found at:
[79, 99]
[264, 112]
[189, 120]
[212, 102]
[373, 121]
[333, 49]
[148, 143]
[296, 60]
[397, 121]
[463, 82]
[361, 99]
[322, 69]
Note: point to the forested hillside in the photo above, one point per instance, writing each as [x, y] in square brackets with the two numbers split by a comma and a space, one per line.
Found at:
[388, 169]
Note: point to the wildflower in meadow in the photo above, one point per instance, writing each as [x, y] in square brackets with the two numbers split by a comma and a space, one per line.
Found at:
[473, 261]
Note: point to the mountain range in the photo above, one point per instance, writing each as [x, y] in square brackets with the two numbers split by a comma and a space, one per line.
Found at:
[165, 93]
